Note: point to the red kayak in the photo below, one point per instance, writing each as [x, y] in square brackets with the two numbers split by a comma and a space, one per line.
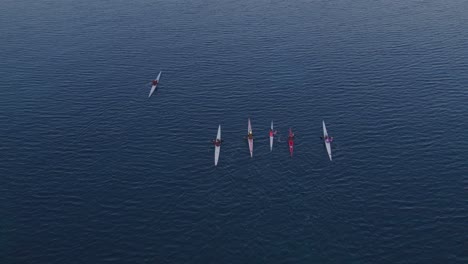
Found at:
[291, 142]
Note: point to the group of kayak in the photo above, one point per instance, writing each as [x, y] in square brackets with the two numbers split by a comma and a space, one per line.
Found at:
[217, 142]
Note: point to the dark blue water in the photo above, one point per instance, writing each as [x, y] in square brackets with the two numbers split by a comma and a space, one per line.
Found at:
[92, 171]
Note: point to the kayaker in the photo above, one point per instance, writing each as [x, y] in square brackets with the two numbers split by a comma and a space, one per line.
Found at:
[155, 82]
[272, 133]
[328, 139]
[250, 135]
[217, 142]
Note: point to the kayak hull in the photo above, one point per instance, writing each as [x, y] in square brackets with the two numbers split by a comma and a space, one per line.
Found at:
[291, 143]
[217, 148]
[153, 87]
[249, 128]
[327, 144]
[271, 138]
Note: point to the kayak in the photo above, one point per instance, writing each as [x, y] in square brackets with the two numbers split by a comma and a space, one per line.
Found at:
[271, 136]
[153, 87]
[249, 130]
[327, 144]
[291, 142]
[217, 148]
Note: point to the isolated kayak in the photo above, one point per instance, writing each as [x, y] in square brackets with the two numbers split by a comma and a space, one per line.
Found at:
[217, 148]
[327, 144]
[291, 142]
[272, 135]
[249, 131]
[153, 87]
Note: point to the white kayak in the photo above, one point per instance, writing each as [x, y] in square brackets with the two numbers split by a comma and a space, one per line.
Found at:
[153, 87]
[327, 144]
[217, 148]
[271, 136]
[249, 130]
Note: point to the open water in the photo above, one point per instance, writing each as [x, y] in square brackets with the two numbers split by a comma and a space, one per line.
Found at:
[92, 171]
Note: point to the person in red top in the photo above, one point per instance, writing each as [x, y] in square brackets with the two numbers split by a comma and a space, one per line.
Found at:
[155, 82]
[272, 133]
[217, 142]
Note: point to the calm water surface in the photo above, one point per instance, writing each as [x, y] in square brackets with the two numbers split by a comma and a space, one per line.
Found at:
[92, 171]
